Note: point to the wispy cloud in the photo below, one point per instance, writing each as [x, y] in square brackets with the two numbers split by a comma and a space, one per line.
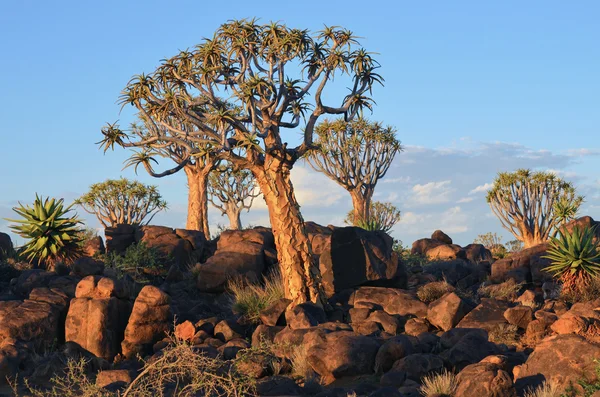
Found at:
[432, 192]
[481, 188]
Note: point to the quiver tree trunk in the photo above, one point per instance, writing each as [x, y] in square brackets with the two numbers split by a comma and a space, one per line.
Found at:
[233, 213]
[361, 202]
[299, 271]
[197, 216]
[529, 237]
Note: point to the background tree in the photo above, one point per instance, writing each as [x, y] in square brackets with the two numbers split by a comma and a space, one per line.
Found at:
[524, 201]
[493, 242]
[231, 191]
[122, 201]
[356, 155]
[236, 90]
[150, 139]
[382, 216]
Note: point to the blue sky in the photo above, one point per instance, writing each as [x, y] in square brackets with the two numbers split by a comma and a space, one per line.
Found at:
[472, 87]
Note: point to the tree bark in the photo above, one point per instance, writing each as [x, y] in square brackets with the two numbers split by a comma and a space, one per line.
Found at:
[197, 216]
[529, 237]
[233, 213]
[361, 202]
[299, 271]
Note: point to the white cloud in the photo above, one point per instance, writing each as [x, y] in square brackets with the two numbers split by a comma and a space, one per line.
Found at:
[432, 192]
[481, 188]
[465, 200]
[400, 179]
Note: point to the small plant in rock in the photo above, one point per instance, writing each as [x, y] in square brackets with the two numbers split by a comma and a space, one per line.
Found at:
[139, 261]
[300, 365]
[504, 334]
[382, 216]
[52, 235]
[433, 291]
[507, 290]
[443, 384]
[546, 389]
[250, 299]
[575, 258]
[493, 242]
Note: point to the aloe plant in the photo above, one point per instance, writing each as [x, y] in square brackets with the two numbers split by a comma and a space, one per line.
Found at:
[575, 256]
[51, 234]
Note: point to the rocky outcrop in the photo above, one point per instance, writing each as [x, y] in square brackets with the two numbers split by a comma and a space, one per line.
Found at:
[240, 253]
[391, 300]
[486, 378]
[487, 315]
[150, 319]
[6, 245]
[97, 316]
[357, 257]
[524, 266]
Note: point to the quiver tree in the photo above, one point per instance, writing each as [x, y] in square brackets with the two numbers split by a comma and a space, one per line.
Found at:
[356, 155]
[150, 139]
[242, 89]
[382, 216]
[525, 203]
[122, 201]
[231, 191]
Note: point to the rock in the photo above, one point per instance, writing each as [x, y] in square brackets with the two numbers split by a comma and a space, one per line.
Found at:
[570, 323]
[274, 314]
[457, 272]
[367, 328]
[113, 380]
[520, 316]
[305, 315]
[393, 301]
[258, 235]
[421, 246]
[6, 244]
[487, 315]
[393, 378]
[452, 337]
[356, 257]
[470, 349]
[185, 331]
[484, 379]
[528, 262]
[343, 354]
[149, 321]
[86, 266]
[245, 259]
[478, 253]
[277, 386]
[442, 237]
[445, 252]
[561, 359]
[230, 349]
[166, 242]
[265, 334]
[97, 318]
[94, 246]
[446, 312]
[119, 238]
[530, 298]
[389, 323]
[551, 290]
[391, 351]
[418, 365]
[227, 330]
[416, 326]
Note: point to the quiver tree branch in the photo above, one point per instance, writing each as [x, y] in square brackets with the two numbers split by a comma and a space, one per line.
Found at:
[231, 191]
[526, 203]
[356, 155]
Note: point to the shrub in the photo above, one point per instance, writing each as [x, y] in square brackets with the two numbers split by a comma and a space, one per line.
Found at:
[442, 384]
[513, 246]
[504, 334]
[122, 201]
[139, 261]
[52, 235]
[250, 299]
[382, 216]
[575, 258]
[507, 290]
[493, 242]
[300, 365]
[546, 389]
[433, 291]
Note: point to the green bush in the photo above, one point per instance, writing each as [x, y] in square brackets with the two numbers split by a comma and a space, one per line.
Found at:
[575, 258]
[139, 261]
[52, 235]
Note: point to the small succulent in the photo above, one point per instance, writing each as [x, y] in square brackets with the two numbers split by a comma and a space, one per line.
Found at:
[575, 256]
[52, 235]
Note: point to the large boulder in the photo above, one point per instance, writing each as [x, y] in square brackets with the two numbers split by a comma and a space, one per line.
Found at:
[440, 236]
[445, 252]
[6, 244]
[447, 311]
[524, 266]
[458, 272]
[470, 348]
[421, 246]
[343, 354]
[487, 315]
[562, 360]
[97, 316]
[357, 257]
[166, 241]
[150, 319]
[119, 238]
[478, 253]
[485, 379]
[393, 301]
[94, 246]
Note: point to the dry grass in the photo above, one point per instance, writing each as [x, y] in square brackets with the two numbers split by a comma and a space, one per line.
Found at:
[300, 365]
[433, 291]
[250, 299]
[504, 334]
[583, 293]
[443, 384]
[507, 290]
[544, 390]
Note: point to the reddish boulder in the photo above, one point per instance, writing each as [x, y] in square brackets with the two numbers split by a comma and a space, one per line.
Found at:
[440, 236]
[393, 301]
[487, 315]
[484, 379]
[520, 316]
[446, 312]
